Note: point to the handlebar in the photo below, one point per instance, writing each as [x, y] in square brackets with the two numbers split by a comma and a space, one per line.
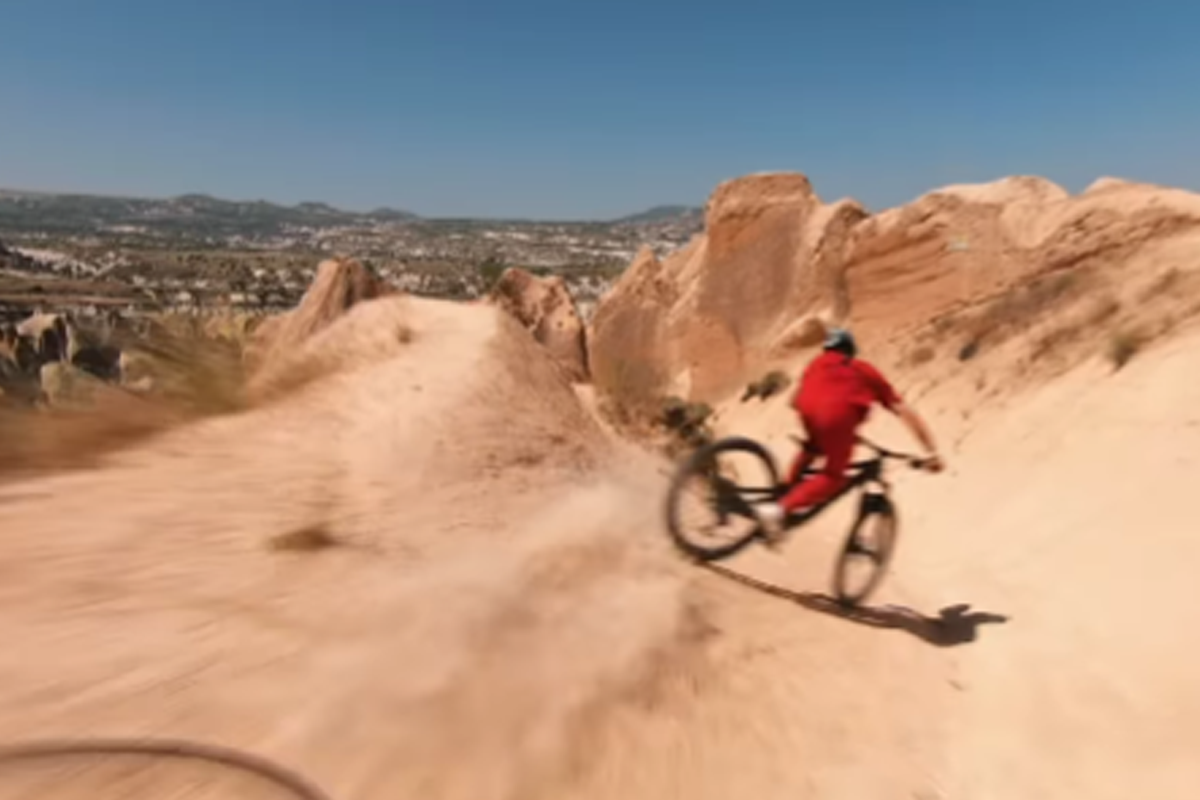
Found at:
[882, 452]
[916, 462]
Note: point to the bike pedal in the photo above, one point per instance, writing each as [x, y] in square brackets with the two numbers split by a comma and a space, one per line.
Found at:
[772, 541]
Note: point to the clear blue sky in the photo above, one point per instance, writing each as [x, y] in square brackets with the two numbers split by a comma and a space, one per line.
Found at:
[573, 108]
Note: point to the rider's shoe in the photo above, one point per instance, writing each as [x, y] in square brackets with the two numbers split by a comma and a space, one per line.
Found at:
[770, 520]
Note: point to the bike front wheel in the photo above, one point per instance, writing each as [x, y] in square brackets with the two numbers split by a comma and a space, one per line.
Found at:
[710, 512]
[867, 552]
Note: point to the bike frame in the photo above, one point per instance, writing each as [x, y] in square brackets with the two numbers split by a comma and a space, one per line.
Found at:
[862, 473]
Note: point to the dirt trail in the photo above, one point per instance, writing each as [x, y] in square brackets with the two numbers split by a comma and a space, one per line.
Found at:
[497, 579]
[504, 618]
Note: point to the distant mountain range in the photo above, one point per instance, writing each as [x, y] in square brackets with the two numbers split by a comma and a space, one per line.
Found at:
[194, 214]
[203, 215]
[663, 214]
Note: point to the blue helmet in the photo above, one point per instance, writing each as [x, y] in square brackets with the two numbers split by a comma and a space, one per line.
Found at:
[842, 341]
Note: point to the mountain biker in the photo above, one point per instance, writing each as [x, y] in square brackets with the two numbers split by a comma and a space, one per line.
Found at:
[834, 398]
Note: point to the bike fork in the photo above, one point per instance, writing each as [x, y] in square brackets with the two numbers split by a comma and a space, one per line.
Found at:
[872, 502]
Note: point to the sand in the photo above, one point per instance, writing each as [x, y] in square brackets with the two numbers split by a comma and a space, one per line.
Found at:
[501, 615]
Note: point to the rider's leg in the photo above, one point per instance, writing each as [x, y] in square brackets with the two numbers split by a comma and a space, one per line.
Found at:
[802, 462]
[837, 443]
[771, 515]
[809, 450]
[835, 440]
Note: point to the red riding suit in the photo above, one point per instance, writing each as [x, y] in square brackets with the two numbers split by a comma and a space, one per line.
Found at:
[834, 398]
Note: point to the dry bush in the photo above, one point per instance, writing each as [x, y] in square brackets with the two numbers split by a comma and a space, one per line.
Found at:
[631, 398]
[1123, 345]
[1168, 302]
[688, 423]
[307, 539]
[767, 386]
[920, 356]
[679, 413]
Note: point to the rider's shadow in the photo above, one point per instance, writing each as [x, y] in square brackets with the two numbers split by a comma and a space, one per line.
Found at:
[953, 625]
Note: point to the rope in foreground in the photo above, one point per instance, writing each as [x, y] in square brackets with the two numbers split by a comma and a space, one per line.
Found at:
[289, 779]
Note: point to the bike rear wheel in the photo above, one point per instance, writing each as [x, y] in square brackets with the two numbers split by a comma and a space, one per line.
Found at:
[716, 486]
[868, 547]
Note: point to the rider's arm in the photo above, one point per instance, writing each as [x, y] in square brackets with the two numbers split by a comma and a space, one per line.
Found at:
[890, 399]
[917, 426]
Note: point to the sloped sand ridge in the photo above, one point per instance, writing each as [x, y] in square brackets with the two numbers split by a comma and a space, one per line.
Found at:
[1067, 511]
[501, 617]
[493, 582]
[1072, 510]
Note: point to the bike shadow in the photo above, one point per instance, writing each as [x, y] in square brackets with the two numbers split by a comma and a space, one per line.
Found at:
[954, 625]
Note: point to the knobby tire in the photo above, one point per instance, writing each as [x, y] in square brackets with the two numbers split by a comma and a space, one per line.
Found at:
[695, 465]
[878, 506]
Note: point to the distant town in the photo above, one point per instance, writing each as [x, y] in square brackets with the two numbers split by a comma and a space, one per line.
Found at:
[90, 254]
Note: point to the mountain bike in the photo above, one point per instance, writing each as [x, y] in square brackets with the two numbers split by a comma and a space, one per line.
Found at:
[872, 536]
